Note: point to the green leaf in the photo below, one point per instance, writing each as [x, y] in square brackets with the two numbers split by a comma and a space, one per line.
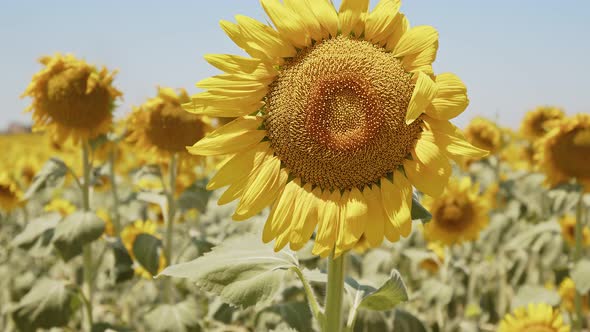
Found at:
[76, 230]
[370, 321]
[180, 317]
[526, 238]
[49, 304]
[50, 175]
[534, 294]
[296, 314]
[406, 322]
[147, 250]
[418, 211]
[195, 197]
[386, 297]
[437, 291]
[581, 276]
[123, 269]
[242, 270]
[107, 327]
[38, 228]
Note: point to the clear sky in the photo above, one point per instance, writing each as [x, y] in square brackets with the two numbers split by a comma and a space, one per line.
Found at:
[513, 55]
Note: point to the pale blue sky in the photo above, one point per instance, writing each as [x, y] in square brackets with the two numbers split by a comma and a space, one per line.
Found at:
[513, 55]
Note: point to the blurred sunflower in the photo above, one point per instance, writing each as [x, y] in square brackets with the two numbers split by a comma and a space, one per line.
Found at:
[518, 156]
[564, 153]
[128, 236]
[458, 215]
[433, 264]
[537, 123]
[10, 194]
[568, 231]
[60, 205]
[484, 134]
[109, 227]
[161, 127]
[71, 98]
[536, 317]
[567, 292]
[27, 166]
[338, 114]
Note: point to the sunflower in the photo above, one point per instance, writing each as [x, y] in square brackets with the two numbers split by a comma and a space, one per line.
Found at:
[458, 215]
[564, 153]
[568, 231]
[161, 127]
[72, 98]
[109, 227]
[63, 206]
[537, 123]
[567, 292]
[484, 134]
[338, 114]
[128, 236]
[536, 317]
[433, 263]
[10, 194]
[518, 156]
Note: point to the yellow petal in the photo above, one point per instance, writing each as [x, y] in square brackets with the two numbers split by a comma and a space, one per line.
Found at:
[236, 136]
[262, 189]
[424, 92]
[416, 40]
[235, 167]
[231, 81]
[392, 202]
[430, 180]
[405, 214]
[450, 137]
[376, 219]
[451, 97]
[235, 34]
[382, 21]
[263, 38]
[328, 218]
[350, 14]
[305, 216]
[326, 14]
[233, 64]
[400, 27]
[354, 215]
[287, 22]
[281, 214]
[306, 15]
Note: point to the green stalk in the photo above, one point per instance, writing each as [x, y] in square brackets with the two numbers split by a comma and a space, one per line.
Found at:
[170, 223]
[313, 303]
[87, 249]
[113, 180]
[333, 322]
[577, 256]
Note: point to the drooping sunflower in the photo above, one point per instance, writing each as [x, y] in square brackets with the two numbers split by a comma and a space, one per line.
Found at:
[60, 205]
[338, 113]
[564, 153]
[567, 292]
[536, 317]
[484, 134]
[161, 127]
[538, 122]
[128, 236]
[568, 231]
[72, 98]
[458, 215]
[10, 193]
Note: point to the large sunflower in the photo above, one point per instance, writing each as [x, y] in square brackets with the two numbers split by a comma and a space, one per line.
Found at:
[72, 98]
[161, 127]
[10, 194]
[539, 121]
[564, 153]
[458, 215]
[536, 317]
[338, 114]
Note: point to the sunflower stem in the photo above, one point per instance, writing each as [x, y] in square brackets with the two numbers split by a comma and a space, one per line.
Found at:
[170, 223]
[87, 249]
[333, 322]
[113, 180]
[313, 303]
[577, 256]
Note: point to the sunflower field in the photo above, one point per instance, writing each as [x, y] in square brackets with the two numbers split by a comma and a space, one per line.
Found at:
[316, 184]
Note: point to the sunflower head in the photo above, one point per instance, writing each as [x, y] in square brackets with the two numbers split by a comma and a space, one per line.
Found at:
[337, 114]
[109, 227]
[60, 205]
[534, 318]
[567, 292]
[538, 122]
[564, 153]
[484, 134]
[433, 264]
[568, 231]
[27, 166]
[162, 127]
[518, 156]
[10, 193]
[72, 98]
[458, 215]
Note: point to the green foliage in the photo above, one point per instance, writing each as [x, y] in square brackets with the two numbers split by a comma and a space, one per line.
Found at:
[50, 176]
[122, 262]
[76, 230]
[534, 294]
[581, 276]
[38, 231]
[147, 250]
[406, 322]
[179, 317]
[387, 296]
